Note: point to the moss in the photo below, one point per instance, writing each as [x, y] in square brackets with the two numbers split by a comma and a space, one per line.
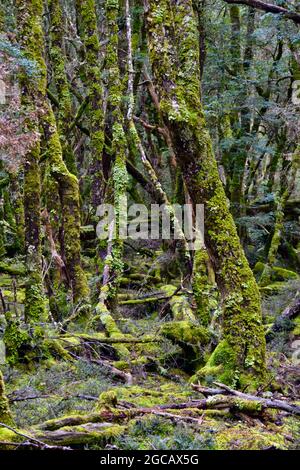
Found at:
[55, 347]
[65, 114]
[117, 150]
[113, 332]
[148, 397]
[90, 433]
[221, 366]
[69, 194]
[267, 274]
[108, 398]
[31, 39]
[6, 435]
[185, 332]
[254, 438]
[91, 77]
[5, 414]
[201, 283]
[16, 269]
[16, 340]
[175, 62]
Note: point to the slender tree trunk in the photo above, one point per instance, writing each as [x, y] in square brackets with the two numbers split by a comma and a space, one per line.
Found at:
[57, 56]
[173, 45]
[113, 265]
[91, 77]
[31, 27]
[31, 38]
[5, 414]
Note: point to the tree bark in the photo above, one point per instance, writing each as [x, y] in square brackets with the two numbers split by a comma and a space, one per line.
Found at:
[173, 45]
[269, 8]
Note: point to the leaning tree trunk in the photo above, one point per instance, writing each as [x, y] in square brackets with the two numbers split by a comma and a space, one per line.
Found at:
[173, 45]
[30, 19]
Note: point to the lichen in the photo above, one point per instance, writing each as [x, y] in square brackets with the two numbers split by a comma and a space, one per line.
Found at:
[5, 414]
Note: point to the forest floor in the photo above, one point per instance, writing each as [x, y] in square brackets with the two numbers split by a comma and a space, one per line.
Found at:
[94, 392]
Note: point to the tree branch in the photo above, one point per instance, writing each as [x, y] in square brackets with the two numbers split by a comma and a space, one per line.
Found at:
[269, 8]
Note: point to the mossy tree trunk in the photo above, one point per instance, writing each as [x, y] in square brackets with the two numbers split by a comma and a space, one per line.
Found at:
[57, 56]
[30, 24]
[30, 36]
[5, 415]
[288, 173]
[173, 45]
[68, 189]
[118, 152]
[91, 77]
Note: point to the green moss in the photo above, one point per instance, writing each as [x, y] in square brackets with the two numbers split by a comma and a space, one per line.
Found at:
[91, 77]
[175, 60]
[221, 366]
[185, 332]
[5, 415]
[65, 114]
[6, 435]
[267, 274]
[90, 433]
[16, 269]
[15, 340]
[250, 438]
[108, 398]
[296, 330]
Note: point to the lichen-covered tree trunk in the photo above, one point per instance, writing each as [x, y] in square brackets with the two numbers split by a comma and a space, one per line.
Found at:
[70, 205]
[5, 414]
[57, 55]
[91, 77]
[288, 173]
[173, 45]
[113, 262]
[30, 34]
[31, 27]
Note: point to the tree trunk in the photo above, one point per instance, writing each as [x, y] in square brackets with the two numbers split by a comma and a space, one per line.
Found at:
[31, 38]
[5, 415]
[173, 45]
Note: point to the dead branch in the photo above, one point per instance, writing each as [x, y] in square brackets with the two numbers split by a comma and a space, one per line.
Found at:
[269, 8]
[35, 441]
[264, 402]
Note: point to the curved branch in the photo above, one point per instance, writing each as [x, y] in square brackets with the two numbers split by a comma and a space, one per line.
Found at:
[269, 8]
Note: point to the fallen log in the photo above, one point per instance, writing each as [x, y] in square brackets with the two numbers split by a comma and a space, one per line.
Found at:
[31, 440]
[111, 340]
[241, 403]
[90, 433]
[260, 401]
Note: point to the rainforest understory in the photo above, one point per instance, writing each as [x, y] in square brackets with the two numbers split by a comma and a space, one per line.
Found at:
[138, 343]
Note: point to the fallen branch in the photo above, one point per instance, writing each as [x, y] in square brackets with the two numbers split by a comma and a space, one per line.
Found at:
[39, 397]
[262, 402]
[111, 340]
[37, 442]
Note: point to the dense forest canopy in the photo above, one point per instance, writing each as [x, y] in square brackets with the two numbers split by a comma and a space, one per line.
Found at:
[115, 115]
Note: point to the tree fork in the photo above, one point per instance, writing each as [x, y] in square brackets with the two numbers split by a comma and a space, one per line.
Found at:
[240, 357]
